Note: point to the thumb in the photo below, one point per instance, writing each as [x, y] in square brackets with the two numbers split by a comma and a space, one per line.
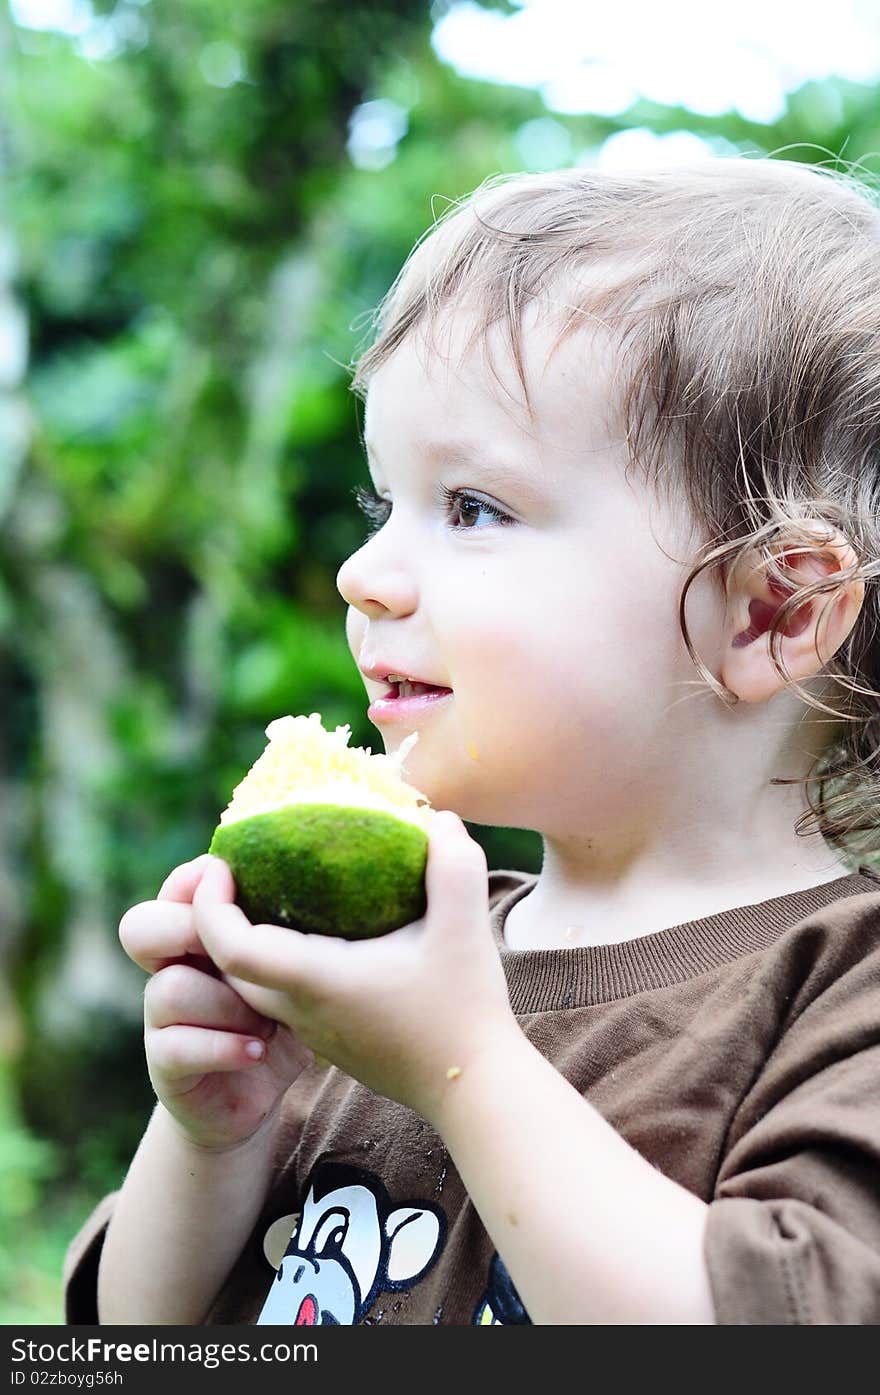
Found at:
[456, 877]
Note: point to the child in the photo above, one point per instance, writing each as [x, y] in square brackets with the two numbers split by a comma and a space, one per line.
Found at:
[630, 426]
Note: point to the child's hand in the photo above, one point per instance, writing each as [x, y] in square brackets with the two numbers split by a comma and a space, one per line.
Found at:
[404, 1013]
[198, 1033]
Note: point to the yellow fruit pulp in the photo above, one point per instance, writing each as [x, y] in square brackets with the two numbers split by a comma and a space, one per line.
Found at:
[305, 764]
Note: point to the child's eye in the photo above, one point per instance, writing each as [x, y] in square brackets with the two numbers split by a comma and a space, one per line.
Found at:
[458, 502]
[468, 507]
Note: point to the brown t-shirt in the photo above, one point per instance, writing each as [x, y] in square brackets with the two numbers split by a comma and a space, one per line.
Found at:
[740, 1054]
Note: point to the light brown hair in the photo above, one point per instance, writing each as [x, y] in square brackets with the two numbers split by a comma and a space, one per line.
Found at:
[746, 310]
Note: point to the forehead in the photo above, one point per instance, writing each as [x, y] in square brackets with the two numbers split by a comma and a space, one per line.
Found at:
[467, 381]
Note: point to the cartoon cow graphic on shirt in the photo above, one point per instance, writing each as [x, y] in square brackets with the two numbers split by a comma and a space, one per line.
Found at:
[350, 1244]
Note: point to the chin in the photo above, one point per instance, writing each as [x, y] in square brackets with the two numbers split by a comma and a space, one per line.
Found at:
[464, 795]
[437, 783]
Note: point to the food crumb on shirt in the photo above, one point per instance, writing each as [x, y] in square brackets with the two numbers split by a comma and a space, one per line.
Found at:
[453, 1073]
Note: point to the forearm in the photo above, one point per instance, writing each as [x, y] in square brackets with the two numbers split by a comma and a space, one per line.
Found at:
[590, 1232]
[180, 1221]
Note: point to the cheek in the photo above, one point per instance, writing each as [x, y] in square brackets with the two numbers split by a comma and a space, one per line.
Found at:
[565, 666]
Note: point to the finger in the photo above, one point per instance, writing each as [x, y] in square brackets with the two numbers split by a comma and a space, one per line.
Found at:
[180, 1051]
[181, 995]
[270, 1004]
[154, 934]
[219, 888]
[456, 876]
[180, 884]
[268, 955]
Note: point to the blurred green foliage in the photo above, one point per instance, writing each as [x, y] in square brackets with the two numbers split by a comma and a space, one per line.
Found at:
[197, 245]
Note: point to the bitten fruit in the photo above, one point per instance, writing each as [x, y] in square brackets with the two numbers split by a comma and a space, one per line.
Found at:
[326, 838]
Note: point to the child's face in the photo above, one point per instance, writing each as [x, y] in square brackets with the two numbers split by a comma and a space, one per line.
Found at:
[556, 629]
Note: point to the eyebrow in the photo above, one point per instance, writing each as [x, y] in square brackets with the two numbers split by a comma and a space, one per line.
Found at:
[493, 470]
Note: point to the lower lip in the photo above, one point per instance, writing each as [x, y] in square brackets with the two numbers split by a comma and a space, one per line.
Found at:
[406, 709]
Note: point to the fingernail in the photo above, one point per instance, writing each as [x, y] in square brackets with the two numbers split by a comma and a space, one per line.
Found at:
[256, 1050]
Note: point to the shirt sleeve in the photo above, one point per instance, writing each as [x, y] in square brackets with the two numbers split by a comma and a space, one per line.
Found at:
[793, 1232]
[80, 1272]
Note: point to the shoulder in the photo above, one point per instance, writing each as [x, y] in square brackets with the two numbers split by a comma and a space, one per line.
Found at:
[837, 940]
[824, 972]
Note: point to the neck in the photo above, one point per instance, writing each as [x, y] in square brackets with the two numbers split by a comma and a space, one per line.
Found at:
[621, 884]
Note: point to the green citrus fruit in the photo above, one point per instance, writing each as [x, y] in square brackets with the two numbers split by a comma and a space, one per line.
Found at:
[326, 838]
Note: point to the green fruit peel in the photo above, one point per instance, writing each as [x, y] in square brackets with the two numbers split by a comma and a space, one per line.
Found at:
[324, 838]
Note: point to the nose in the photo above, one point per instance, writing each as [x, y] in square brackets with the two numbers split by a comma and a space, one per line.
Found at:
[375, 582]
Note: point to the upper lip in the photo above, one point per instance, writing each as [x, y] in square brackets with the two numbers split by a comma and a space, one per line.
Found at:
[380, 672]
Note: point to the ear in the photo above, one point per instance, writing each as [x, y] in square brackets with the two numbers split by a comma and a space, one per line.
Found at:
[414, 1238]
[813, 632]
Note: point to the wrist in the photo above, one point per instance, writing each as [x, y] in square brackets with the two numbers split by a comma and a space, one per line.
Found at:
[255, 1144]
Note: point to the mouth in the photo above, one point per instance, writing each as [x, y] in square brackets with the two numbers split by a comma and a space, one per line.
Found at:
[406, 701]
[308, 1312]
